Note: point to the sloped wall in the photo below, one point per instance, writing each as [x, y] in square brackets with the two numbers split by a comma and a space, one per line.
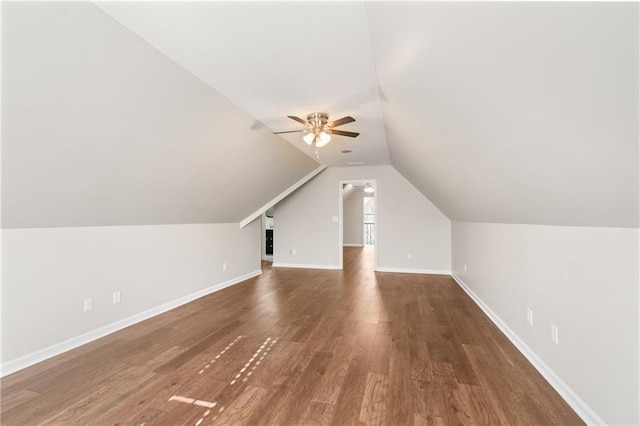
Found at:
[101, 129]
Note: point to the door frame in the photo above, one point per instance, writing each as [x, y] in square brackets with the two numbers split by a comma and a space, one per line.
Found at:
[341, 219]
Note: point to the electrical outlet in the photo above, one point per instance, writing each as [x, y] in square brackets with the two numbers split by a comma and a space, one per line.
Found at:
[334, 218]
[292, 252]
[409, 256]
[554, 334]
[88, 304]
[224, 266]
[116, 297]
[529, 316]
[465, 268]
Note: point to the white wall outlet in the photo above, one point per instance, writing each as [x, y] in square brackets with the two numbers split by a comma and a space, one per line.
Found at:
[292, 252]
[334, 218]
[88, 304]
[529, 316]
[465, 267]
[554, 334]
[224, 266]
[116, 297]
[409, 256]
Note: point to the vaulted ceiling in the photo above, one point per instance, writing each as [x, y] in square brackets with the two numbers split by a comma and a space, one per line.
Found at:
[497, 112]
[275, 59]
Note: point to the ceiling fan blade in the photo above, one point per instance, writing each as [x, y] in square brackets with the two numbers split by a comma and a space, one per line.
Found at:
[298, 119]
[343, 133]
[289, 131]
[340, 122]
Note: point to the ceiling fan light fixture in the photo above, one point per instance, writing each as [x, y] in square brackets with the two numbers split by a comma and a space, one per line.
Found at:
[308, 138]
[323, 139]
[319, 129]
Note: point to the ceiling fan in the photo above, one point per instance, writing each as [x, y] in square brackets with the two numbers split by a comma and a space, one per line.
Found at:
[319, 128]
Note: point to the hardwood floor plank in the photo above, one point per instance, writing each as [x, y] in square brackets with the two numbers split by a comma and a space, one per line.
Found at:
[242, 408]
[198, 348]
[420, 420]
[399, 408]
[297, 346]
[281, 396]
[10, 400]
[73, 369]
[142, 405]
[62, 395]
[428, 400]
[351, 393]
[102, 401]
[374, 404]
[331, 385]
[318, 413]
[421, 368]
[292, 409]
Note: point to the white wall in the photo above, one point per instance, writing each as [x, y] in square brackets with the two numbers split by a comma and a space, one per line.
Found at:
[352, 215]
[407, 223]
[584, 281]
[48, 272]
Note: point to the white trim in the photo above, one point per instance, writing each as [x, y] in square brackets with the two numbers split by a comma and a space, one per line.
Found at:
[352, 245]
[575, 402]
[280, 197]
[304, 266]
[414, 271]
[72, 343]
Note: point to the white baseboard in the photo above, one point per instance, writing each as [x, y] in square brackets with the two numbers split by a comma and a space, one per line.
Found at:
[414, 271]
[575, 402]
[304, 266]
[352, 245]
[72, 343]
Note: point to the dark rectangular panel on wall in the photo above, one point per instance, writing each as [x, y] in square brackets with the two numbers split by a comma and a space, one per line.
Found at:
[269, 242]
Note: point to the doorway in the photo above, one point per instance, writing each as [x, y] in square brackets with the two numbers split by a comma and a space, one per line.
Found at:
[266, 238]
[358, 202]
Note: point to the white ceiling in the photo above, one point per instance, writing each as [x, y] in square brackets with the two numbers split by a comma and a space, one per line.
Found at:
[275, 59]
[515, 112]
[508, 112]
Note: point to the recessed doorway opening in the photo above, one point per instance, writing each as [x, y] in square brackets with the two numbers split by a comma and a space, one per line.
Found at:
[368, 219]
[266, 238]
[358, 216]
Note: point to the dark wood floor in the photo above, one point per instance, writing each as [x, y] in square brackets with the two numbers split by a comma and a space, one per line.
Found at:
[297, 346]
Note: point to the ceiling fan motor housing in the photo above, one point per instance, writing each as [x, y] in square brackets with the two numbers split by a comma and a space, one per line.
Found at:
[318, 121]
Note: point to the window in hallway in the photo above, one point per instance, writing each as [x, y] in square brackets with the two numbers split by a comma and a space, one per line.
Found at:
[369, 221]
